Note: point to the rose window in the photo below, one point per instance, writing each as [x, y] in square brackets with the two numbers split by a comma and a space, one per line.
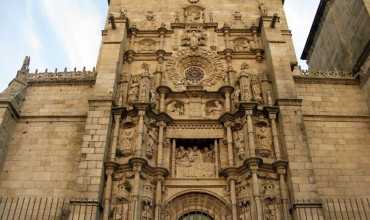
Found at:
[194, 74]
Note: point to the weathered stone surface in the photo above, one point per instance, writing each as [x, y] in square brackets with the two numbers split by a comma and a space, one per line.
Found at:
[193, 106]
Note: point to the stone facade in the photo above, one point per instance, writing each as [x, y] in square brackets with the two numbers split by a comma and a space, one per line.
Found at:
[195, 109]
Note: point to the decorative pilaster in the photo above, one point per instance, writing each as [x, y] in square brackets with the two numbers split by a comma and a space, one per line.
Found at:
[162, 90]
[109, 169]
[275, 138]
[137, 165]
[251, 141]
[281, 168]
[253, 164]
[117, 120]
[139, 147]
[233, 198]
[230, 149]
[158, 198]
[162, 126]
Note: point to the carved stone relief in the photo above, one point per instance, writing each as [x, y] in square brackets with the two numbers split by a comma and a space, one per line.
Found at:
[194, 38]
[269, 192]
[238, 138]
[214, 108]
[133, 91]
[194, 14]
[147, 212]
[176, 108]
[121, 190]
[150, 138]
[241, 44]
[147, 45]
[127, 139]
[209, 62]
[263, 138]
[195, 162]
[256, 88]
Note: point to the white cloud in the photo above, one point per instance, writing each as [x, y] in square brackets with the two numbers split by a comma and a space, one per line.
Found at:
[76, 24]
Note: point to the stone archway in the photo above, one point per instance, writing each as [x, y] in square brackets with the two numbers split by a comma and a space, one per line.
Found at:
[197, 203]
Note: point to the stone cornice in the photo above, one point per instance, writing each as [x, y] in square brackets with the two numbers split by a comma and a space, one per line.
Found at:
[346, 80]
[262, 167]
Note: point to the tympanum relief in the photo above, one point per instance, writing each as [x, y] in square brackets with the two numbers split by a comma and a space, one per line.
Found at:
[195, 161]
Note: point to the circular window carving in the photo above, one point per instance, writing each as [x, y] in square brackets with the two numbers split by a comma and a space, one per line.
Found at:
[194, 74]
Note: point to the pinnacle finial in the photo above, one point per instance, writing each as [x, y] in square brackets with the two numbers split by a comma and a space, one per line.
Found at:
[26, 64]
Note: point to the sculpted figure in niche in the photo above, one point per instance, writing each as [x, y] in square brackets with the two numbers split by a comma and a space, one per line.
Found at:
[133, 92]
[270, 208]
[239, 143]
[127, 138]
[176, 108]
[256, 89]
[147, 213]
[245, 83]
[215, 108]
[263, 139]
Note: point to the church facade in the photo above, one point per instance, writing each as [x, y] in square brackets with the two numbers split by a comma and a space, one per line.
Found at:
[196, 110]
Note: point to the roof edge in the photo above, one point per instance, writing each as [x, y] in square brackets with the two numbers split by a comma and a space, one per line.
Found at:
[314, 28]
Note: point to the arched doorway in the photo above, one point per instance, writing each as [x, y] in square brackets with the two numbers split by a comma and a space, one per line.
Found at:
[196, 206]
[195, 216]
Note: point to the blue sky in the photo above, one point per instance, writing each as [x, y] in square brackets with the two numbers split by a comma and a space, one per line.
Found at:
[66, 33]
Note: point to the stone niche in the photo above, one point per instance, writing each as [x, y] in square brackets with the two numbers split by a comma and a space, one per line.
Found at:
[195, 158]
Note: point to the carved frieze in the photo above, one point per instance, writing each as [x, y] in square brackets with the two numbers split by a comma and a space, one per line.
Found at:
[195, 161]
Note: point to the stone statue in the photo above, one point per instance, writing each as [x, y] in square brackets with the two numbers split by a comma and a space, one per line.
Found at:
[256, 89]
[127, 136]
[147, 213]
[263, 137]
[133, 92]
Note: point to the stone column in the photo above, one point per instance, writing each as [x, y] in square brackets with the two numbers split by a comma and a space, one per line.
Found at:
[173, 158]
[233, 199]
[136, 192]
[162, 90]
[109, 169]
[117, 119]
[139, 147]
[217, 157]
[162, 126]
[275, 137]
[250, 129]
[281, 167]
[227, 101]
[253, 166]
[230, 149]
[158, 199]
